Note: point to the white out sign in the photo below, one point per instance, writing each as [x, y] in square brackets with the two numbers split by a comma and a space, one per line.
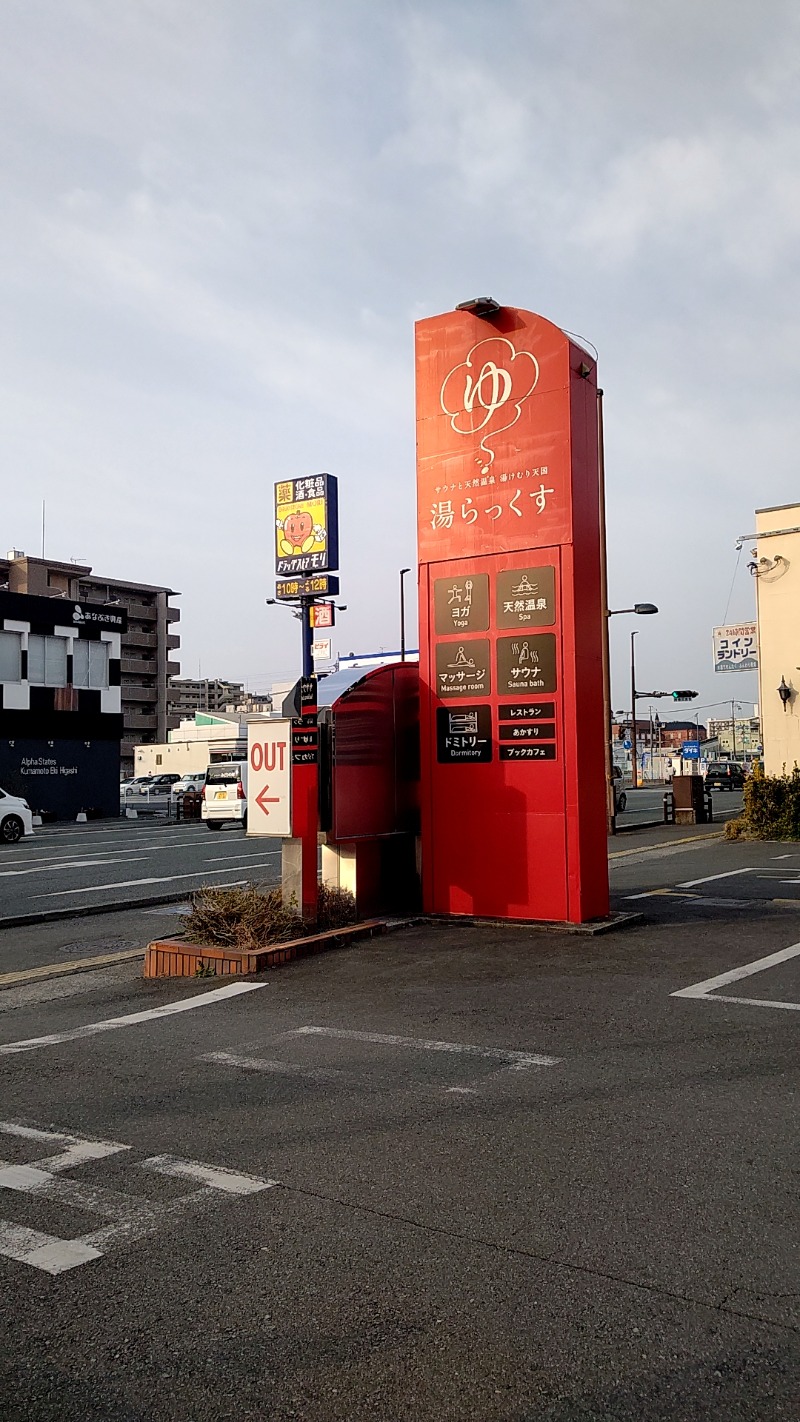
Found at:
[269, 782]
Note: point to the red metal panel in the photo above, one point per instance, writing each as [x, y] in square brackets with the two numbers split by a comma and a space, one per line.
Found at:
[375, 761]
[513, 789]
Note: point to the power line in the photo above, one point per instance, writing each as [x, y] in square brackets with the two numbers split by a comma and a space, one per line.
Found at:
[733, 580]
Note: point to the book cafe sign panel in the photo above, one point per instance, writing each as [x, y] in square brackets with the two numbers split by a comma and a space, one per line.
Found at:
[736, 648]
[511, 619]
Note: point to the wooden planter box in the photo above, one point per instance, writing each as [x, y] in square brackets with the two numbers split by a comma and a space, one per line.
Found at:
[178, 957]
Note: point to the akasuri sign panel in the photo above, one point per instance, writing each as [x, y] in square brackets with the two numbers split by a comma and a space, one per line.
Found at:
[509, 545]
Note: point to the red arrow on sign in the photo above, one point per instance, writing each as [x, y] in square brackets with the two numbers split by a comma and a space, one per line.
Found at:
[264, 799]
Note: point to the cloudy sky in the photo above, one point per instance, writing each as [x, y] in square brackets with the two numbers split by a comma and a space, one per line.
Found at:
[221, 219]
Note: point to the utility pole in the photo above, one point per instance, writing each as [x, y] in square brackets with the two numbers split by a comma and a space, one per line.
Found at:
[634, 765]
[733, 726]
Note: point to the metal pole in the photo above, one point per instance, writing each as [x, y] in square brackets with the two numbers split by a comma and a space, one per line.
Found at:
[611, 804]
[634, 767]
[733, 727]
[307, 635]
[403, 572]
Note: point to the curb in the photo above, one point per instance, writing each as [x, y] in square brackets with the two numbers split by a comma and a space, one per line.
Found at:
[60, 970]
[181, 957]
[666, 844]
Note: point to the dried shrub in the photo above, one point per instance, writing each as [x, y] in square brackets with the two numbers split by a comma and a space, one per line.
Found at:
[243, 918]
[250, 918]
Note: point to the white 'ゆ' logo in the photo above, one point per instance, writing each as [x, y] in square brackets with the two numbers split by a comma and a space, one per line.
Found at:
[487, 390]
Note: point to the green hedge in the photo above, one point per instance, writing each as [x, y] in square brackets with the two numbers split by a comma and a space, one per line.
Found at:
[771, 807]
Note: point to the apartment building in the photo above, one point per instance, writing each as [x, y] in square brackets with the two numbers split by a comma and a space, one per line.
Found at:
[188, 695]
[148, 643]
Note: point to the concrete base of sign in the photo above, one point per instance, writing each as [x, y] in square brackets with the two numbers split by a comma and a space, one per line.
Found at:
[291, 872]
[179, 957]
[355, 867]
[592, 929]
[381, 873]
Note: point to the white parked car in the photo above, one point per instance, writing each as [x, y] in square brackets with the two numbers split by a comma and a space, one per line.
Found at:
[132, 786]
[225, 795]
[194, 782]
[15, 818]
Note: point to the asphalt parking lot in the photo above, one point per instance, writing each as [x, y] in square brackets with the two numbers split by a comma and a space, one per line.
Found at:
[106, 862]
[462, 1173]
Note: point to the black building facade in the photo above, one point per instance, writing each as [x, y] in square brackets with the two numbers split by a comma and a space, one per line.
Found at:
[60, 703]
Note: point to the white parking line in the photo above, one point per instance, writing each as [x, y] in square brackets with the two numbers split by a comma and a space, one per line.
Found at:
[71, 864]
[518, 1061]
[218, 859]
[34, 856]
[704, 990]
[131, 883]
[709, 878]
[272, 1068]
[217, 1176]
[131, 1019]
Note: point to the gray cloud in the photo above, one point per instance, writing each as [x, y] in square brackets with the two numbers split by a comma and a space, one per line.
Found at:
[222, 221]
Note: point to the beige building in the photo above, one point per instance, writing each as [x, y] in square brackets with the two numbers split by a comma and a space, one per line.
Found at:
[194, 744]
[776, 569]
[740, 737]
[147, 646]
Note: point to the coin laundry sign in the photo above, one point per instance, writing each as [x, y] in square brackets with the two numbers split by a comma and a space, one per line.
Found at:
[736, 648]
[306, 525]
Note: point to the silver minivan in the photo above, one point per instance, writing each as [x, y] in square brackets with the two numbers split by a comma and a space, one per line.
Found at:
[225, 795]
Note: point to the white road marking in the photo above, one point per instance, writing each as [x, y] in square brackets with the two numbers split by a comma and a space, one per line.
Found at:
[130, 883]
[216, 859]
[132, 1019]
[126, 1217]
[709, 878]
[273, 1068]
[518, 1061]
[37, 858]
[44, 1251]
[704, 990]
[73, 864]
[783, 856]
[755, 1002]
[216, 1176]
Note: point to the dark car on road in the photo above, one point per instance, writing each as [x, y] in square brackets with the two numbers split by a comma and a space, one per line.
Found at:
[724, 775]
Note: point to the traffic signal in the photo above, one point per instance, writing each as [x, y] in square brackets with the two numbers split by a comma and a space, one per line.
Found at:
[684, 695]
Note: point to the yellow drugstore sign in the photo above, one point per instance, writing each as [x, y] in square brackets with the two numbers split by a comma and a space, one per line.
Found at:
[306, 525]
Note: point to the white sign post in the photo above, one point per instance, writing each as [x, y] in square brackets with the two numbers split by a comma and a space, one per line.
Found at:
[321, 649]
[269, 784]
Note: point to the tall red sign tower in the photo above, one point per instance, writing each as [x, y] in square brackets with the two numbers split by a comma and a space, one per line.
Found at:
[511, 619]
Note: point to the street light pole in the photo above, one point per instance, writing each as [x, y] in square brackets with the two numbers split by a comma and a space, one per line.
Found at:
[634, 766]
[641, 609]
[403, 572]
